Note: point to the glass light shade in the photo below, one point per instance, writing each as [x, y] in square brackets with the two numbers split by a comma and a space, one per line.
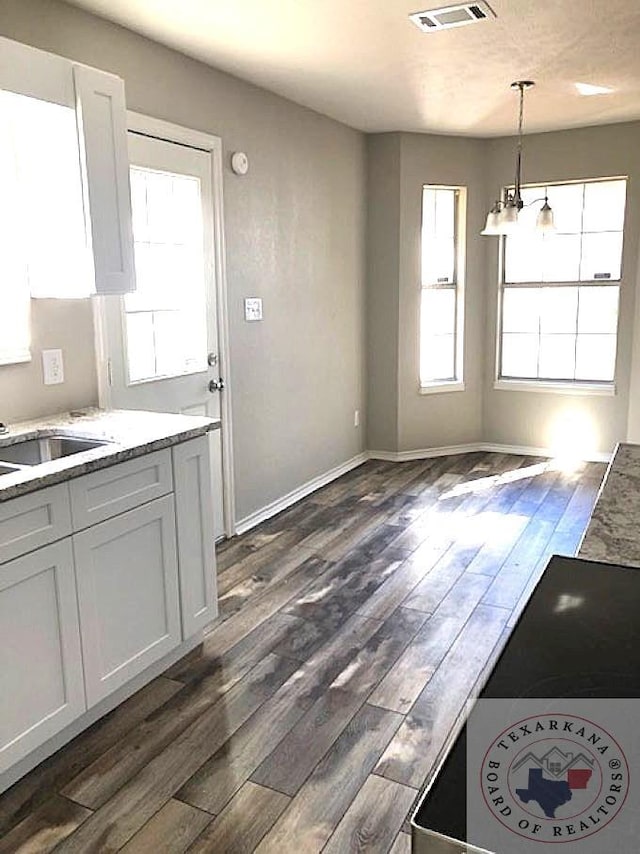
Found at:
[492, 225]
[508, 219]
[545, 222]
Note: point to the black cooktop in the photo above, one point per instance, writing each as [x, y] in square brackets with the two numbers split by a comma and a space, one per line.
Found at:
[579, 636]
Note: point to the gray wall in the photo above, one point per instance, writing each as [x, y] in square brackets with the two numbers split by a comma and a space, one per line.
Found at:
[400, 418]
[539, 419]
[383, 259]
[295, 237]
[450, 418]
[65, 324]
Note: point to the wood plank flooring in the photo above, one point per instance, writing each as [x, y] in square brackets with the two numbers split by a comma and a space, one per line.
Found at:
[353, 627]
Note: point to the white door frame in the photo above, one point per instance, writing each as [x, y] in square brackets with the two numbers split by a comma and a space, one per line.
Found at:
[159, 129]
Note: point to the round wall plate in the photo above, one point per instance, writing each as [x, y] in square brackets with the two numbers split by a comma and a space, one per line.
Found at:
[240, 163]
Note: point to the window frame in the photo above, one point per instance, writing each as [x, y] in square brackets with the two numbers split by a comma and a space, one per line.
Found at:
[455, 383]
[606, 388]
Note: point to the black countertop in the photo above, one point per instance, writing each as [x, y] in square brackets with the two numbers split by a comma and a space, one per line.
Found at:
[579, 636]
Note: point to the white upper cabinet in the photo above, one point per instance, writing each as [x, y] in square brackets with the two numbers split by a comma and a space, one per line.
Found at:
[98, 100]
[102, 129]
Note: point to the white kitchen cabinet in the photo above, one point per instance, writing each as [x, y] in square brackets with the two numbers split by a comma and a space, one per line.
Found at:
[127, 582]
[195, 528]
[99, 101]
[107, 492]
[102, 124]
[33, 520]
[40, 660]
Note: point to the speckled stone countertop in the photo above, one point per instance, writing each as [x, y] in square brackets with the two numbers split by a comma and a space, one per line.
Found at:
[129, 433]
[613, 533]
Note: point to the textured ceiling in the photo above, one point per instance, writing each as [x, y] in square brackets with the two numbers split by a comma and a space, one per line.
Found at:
[364, 63]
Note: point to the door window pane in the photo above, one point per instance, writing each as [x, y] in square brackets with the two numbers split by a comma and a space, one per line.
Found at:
[140, 346]
[167, 315]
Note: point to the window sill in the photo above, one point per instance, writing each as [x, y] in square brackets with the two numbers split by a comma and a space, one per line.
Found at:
[549, 387]
[15, 358]
[441, 387]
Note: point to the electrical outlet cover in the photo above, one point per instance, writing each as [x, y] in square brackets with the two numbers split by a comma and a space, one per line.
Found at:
[52, 367]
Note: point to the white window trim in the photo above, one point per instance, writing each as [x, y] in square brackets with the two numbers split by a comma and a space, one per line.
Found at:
[566, 387]
[442, 386]
[456, 384]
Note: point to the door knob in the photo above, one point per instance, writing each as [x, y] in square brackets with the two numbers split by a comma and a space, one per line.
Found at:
[216, 385]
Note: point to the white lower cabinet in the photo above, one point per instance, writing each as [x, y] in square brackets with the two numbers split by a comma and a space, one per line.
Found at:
[127, 582]
[40, 660]
[196, 536]
[100, 578]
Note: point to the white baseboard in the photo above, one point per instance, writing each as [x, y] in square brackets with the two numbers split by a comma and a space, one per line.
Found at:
[425, 453]
[297, 494]
[448, 450]
[310, 486]
[525, 451]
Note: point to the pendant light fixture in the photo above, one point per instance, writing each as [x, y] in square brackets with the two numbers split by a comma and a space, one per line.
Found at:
[502, 219]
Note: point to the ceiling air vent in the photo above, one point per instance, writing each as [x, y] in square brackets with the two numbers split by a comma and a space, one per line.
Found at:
[452, 16]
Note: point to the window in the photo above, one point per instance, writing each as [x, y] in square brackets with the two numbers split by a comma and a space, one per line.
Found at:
[560, 292]
[440, 302]
[166, 318]
[43, 246]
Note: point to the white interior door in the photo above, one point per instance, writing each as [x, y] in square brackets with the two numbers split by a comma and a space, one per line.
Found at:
[162, 340]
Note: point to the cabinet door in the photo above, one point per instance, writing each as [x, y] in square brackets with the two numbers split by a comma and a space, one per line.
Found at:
[40, 663]
[127, 578]
[102, 127]
[196, 548]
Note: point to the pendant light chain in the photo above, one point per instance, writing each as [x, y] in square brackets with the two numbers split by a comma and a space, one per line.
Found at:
[517, 197]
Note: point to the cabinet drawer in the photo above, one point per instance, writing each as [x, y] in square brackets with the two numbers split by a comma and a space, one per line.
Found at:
[33, 520]
[109, 492]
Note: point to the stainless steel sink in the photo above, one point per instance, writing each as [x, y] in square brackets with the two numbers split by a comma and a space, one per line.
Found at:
[32, 452]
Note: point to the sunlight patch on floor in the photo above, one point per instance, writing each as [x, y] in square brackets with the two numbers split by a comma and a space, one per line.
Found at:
[482, 484]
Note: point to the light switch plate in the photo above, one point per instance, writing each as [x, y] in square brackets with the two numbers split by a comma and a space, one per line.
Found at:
[253, 308]
[52, 367]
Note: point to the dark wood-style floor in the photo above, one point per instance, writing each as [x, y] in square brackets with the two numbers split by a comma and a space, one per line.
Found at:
[353, 627]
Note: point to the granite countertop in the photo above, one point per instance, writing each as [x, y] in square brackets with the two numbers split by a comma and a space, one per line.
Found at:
[130, 433]
[613, 534]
